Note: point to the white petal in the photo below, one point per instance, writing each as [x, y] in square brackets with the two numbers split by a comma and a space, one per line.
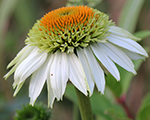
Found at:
[109, 65]
[28, 66]
[87, 69]
[18, 88]
[117, 56]
[51, 96]
[76, 73]
[24, 52]
[38, 79]
[18, 59]
[59, 74]
[97, 71]
[132, 55]
[122, 33]
[127, 44]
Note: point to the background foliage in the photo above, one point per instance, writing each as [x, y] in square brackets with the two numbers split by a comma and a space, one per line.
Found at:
[125, 100]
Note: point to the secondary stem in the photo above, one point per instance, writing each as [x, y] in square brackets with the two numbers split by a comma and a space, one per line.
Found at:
[84, 106]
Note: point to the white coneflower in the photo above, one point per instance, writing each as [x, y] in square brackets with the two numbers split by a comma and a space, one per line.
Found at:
[73, 43]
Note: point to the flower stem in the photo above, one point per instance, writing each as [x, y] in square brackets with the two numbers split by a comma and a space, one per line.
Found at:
[84, 106]
[121, 101]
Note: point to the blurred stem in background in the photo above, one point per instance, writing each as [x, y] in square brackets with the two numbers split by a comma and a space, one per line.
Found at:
[130, 14]
[6, 9]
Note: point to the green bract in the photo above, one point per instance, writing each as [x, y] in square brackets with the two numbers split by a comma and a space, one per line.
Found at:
[37, 112]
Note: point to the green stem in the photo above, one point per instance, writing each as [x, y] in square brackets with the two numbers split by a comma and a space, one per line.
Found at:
[84, 106]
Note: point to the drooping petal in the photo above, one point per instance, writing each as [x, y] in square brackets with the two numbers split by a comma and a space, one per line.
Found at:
[11, 72]
[122, 33]
[117, 56]
[127, 44]
[23, 53]
[59, 74]
[28, 66]
[38, 79]
[18, 59]
[76, 73]
[97, 71]
[109, 65]
[18, 88]
[87, 69]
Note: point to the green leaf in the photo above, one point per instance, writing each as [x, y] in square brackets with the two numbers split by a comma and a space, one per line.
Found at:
[130, 13]
[144, 110]
[142, 34]
[101, 104]
[114, 85]
[126, 77]
[121, 87]
[144, 114]
[114, 116]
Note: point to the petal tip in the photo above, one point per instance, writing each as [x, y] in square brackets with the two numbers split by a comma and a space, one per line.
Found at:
[5, 77]
[50, 105]
[118, 79]
[14, 94]
[134, 72]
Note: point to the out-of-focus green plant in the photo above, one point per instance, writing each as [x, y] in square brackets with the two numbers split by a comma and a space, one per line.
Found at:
[102, 105]
[6, 8]
[90, 3]
[130, 13]
[144, 110]
[36, 112]
[142, 34]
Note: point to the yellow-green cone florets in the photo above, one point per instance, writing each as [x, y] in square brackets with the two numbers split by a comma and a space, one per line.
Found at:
[67, 28]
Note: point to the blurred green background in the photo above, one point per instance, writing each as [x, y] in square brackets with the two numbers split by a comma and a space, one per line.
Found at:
[129, 98]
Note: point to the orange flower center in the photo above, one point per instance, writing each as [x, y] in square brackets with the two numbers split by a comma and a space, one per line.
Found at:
[66, 17]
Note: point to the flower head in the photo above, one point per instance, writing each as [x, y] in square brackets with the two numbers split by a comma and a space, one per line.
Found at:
[76, 44]
[68, 28]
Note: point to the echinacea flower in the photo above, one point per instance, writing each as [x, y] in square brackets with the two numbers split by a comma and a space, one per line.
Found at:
[75, 44]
